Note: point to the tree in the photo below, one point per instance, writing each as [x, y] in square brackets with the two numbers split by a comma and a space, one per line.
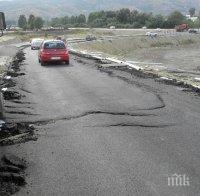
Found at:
[22, 22]
[192, 11]
[134, 16]
[175, 18]
[55, 22]
[124, 16]
[110, 14]
[73, 20]
[65, 20]
[92, 16]
[156, 21]
[197, 23]
[31, 22]
[38, 23]
[81, 19]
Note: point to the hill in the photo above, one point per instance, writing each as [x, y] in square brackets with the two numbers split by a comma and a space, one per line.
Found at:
[53, 8]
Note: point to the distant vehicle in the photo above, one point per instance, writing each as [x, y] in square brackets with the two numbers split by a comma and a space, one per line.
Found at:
[144, 27]
[112, 27]
[90, 38]
[158, 29]
[151, 34]
[13, 28]
[36, 43]
[53, 50]
[182, 27]
[192, 31]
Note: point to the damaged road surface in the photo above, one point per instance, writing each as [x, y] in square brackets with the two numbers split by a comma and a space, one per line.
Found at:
[104, 131]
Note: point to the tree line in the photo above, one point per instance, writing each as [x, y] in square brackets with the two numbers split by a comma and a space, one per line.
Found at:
[123, 18]
[33, 22]
[69, 21]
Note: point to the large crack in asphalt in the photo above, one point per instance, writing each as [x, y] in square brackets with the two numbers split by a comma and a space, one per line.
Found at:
[132, 125]
[21, 112]
[18, 107]
[22, 102]
[88, 113]
[25, 90]
[143, 86]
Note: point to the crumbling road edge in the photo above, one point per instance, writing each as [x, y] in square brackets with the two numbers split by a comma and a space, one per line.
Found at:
[129, 65]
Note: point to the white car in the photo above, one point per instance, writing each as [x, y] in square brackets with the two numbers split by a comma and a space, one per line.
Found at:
[36, 43]
[112, 27]
[151, 34]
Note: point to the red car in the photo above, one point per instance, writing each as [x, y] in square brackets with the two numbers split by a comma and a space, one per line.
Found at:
[53, 50]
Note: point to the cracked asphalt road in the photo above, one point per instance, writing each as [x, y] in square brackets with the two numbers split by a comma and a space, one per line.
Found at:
[104, 132]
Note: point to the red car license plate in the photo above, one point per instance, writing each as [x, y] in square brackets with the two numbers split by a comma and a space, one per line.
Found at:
[55, 58]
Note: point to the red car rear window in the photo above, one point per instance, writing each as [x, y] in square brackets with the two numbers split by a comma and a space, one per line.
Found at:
[54, 45]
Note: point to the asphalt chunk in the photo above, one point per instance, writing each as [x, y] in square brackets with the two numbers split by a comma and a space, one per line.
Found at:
[14, 160]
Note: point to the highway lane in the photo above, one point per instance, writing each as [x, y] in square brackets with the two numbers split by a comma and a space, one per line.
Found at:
[104, 132]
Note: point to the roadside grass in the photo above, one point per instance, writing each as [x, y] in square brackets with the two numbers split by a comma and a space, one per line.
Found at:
[187, 41]
[123, 46]
[6, 38]
[161, 44]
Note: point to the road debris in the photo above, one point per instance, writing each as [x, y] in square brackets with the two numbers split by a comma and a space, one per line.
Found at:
[7, 77]
[17, 133]
[4, 89]
[12, 167]
[10, 159]
[8, 95]
[11, 174]
[197, 79]
[21, 138]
